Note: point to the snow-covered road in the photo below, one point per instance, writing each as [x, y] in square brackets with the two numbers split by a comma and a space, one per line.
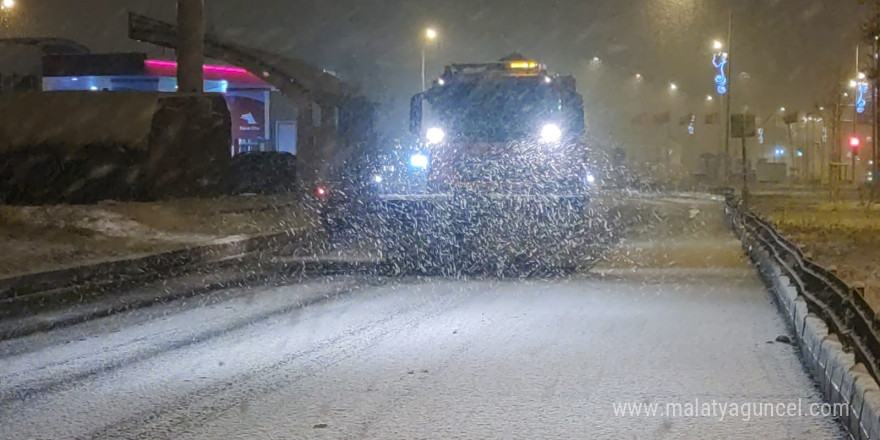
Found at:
[675, 316]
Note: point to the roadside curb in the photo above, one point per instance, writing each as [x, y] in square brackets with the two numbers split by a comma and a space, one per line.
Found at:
[18, 286]
[841, 379]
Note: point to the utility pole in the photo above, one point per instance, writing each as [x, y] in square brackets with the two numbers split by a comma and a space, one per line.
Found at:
[855, 128]
[190, 45]
[729, 93]
[874, 107]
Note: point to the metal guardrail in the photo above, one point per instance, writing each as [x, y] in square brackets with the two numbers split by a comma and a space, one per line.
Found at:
[841, 307]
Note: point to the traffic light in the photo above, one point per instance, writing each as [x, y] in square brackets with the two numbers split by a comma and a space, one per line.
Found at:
[855, 142]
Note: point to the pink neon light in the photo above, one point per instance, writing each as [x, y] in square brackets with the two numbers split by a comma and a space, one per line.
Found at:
[208, 67]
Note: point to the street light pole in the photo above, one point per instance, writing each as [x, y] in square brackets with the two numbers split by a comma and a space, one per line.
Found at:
[875, 108]
[430, 36]
[424, 56]
[729, 93]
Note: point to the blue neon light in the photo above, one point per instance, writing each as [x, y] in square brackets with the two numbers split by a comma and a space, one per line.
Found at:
[719, 60]
[861, 102]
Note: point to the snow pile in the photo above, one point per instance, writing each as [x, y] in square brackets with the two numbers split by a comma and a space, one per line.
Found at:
[40, 238]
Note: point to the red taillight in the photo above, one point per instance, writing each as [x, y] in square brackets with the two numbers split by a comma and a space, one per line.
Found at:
[321, 192]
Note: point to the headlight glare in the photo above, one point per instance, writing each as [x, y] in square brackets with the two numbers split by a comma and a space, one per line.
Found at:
[419, 161]
[435, 135]
[551, 133]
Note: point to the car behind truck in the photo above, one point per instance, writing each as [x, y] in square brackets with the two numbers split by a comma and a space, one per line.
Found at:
[500, 174]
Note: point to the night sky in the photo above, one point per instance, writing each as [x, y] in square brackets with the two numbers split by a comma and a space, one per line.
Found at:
[791, 50]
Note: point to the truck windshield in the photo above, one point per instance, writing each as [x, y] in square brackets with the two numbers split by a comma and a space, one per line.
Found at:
[494, 111]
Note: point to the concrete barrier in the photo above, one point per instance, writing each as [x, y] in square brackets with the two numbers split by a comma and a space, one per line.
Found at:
[840, 378]
[82, 147]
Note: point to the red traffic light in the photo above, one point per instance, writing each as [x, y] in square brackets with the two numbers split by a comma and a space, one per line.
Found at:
[854, 142]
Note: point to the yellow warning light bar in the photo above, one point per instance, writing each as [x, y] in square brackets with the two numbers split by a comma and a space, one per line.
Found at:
[523, 65]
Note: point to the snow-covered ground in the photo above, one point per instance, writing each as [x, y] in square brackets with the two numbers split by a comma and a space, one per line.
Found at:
[840, 232]
[675, 316]
[40, 238]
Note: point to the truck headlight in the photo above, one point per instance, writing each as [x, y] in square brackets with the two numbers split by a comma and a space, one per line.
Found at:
[419, 161]
[435, 135]
[550, 133]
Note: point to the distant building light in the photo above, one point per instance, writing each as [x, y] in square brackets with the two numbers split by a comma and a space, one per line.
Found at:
[93, 88]
[207, 68]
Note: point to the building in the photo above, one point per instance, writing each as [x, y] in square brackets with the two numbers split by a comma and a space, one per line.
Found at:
[262, 118]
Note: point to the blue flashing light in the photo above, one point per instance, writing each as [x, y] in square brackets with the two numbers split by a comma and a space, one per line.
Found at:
[224, 86]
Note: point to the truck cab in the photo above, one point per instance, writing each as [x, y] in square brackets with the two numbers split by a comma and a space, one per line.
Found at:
[499, 173]
[502, 127]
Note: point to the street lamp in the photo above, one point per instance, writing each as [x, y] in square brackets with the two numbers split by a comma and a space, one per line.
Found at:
[673, 86]
[709, 98]
[430, 37]
[7, 4]
[717, 45]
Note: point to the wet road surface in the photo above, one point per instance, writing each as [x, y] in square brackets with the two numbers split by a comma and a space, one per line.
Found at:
[674, 316]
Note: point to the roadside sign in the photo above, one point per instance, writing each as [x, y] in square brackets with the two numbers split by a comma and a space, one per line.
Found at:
[742, 126]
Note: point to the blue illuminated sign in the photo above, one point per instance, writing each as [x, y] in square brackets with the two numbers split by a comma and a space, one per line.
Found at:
[861, 102]
[719, 60]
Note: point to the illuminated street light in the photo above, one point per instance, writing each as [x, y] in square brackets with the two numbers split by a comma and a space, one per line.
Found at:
[709, 98]
[673, 86]
[718, 45]
[862, 76]
[7, 4]
[782, 109]
[638, 77]
[430, 34]
[596, 60]
[853, 83]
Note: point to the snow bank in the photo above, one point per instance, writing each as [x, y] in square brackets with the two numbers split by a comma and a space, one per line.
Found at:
[42, 238]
